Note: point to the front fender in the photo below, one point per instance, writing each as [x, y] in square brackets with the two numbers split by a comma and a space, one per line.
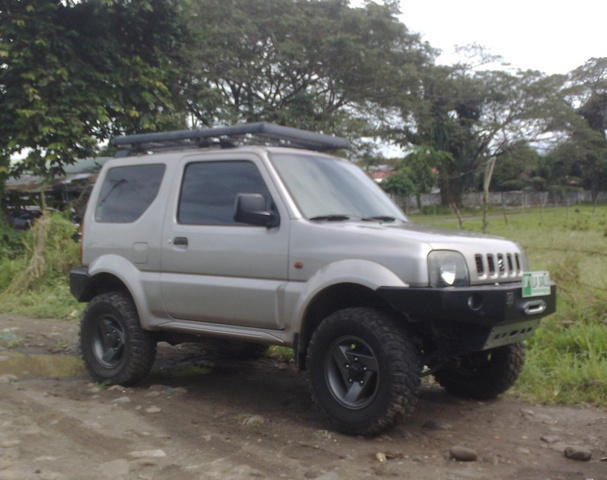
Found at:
[355, 271]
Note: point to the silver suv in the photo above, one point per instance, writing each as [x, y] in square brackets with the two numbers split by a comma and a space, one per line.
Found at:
[250, 235]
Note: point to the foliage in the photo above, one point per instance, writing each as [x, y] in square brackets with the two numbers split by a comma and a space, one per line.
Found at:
[445, 119]
[570, 351]
[49, 254]
[584, 153]
[567, 357]
[423, 162]
[11, 245]
[48, 301]
[514, 169]
[400, 183]
[76, 73]
[317, 65]
[35, 281]
[474, 114]
[416, 174]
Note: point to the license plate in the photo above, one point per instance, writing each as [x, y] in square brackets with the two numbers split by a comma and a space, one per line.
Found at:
[536, 284]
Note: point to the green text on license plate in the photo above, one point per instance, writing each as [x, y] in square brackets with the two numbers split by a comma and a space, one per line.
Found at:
[536, 284]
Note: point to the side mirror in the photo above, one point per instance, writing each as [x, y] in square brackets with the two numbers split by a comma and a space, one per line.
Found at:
[251, 209]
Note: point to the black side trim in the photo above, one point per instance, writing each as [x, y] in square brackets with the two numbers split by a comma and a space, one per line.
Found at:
[80, 284]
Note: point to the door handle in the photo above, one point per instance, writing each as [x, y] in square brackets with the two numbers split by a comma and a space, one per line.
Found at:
[180, 241]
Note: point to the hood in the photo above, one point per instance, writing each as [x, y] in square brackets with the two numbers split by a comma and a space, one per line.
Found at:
[404, 248]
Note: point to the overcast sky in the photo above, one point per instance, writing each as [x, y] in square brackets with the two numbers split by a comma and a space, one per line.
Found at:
[553, 37]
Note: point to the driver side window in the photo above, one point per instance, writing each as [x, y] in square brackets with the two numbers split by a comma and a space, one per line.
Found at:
[209, 190]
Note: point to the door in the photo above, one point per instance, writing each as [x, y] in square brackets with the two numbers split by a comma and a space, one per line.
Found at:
[215, 269]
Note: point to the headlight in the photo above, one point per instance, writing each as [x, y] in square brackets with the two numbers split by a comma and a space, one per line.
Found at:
[447, 269]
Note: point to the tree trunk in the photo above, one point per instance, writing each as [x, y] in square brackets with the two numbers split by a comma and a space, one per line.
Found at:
[486, 182]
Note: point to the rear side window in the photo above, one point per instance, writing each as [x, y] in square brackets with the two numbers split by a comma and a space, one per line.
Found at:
[209, 191]
[127, 192]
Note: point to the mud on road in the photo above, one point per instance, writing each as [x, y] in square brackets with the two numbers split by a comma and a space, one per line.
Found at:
[196, 418]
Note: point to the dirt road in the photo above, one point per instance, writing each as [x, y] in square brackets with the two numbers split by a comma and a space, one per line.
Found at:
[199, 419]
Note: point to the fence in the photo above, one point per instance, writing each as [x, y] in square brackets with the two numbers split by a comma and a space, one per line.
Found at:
[507, 199]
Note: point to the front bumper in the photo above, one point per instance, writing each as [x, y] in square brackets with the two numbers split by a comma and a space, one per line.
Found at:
[476, 317]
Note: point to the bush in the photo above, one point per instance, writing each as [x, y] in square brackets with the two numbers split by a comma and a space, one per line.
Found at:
[539, 184]
[48, 254]
[34, 273]
[12, 244]
[512, 186]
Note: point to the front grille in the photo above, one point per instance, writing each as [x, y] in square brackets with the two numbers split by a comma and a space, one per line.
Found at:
[491, 264]
[498, 265]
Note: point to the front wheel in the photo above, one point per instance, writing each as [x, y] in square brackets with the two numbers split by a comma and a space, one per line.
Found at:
[483, 375]
[115, 348]
[364, 371]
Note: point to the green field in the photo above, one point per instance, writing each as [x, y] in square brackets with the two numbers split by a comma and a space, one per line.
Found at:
[566, 360]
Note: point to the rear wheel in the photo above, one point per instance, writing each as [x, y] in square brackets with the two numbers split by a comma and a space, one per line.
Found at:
[483, 375]
[114, 347]
[364, 370]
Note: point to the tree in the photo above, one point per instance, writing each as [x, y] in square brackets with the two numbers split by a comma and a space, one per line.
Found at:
[400, 183]
[474, 115]
[586, 92]
[74, 74]
[515, 168]
[319, 65]
[417, 173]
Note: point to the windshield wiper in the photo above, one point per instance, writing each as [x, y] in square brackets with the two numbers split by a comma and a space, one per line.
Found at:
[379, 218]
[331, 218]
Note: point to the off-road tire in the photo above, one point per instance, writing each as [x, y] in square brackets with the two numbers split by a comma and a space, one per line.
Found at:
[115, 349]
[363, 345]
[484, 375]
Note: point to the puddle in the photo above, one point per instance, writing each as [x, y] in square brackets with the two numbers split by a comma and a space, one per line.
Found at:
[51, 366]
[9, 339]
[64, 366]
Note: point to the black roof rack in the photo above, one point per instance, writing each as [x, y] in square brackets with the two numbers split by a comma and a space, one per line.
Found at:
[246, 134]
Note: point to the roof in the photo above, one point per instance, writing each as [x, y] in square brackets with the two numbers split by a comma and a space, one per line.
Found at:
[82, 171]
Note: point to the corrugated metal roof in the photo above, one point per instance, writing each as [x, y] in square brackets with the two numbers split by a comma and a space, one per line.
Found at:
[82, 172]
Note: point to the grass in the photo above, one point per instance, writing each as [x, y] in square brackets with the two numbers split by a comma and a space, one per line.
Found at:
[48, 301]
[566, 359]
[34, 277]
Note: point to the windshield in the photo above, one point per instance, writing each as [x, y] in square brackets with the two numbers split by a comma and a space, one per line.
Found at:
[328, 188]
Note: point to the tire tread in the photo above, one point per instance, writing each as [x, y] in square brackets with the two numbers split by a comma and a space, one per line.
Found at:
[404, 367]
[141, 351]
[497, 376]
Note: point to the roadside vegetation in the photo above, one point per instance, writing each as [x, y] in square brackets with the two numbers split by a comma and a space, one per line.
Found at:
[566, 359]
[327, 65]
[34, 268]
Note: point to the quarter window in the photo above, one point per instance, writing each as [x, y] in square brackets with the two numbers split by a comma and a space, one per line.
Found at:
[127, 192]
